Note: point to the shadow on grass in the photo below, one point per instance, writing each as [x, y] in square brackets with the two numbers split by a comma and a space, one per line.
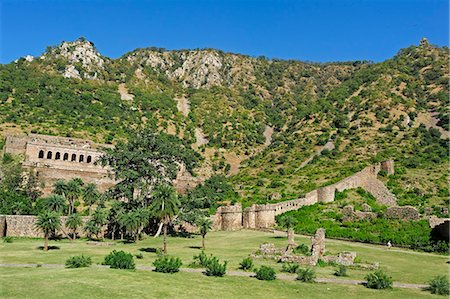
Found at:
[278, 237]
[147, 249]
[49, 247]
[195, 247]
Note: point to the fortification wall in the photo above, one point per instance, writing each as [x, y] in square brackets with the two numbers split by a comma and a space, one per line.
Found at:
[25, 226]
[263, 216]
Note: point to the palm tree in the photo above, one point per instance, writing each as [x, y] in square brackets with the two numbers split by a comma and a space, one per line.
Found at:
[164, 206]
[205, 226]
[130, 221]
[74, 192]
[72, 223]
[55, 203]
[48, 222]
[90, 194]
[288, 222]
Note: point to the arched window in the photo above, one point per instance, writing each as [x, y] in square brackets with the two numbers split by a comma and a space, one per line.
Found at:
[57, 156]
[41, 154]
[74, 157]
[49, 155]
[81, 158]
[89, 159]
[66, 157]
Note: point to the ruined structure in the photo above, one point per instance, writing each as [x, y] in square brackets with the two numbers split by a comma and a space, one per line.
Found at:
[263, 216]
[53, 158]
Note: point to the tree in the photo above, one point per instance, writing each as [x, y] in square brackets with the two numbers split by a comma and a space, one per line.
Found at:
[130, 221]
[288, 222]
[70, 190]
[48, 222]
[148, 159]
[164, 206]
[72, 223]
[55, 203]
[90, 194]
[205, 225]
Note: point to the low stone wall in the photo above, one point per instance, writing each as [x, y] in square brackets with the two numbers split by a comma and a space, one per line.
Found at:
[402, 213]
[25, 226]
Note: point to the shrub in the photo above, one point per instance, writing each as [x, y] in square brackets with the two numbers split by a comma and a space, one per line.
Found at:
[266, 273]
[78, 261]
[7, 239]
[378, 280]
[302, 249]
[290, 267]
[215, 268]
[119, 260]
[306, 275]
[246, 264]
[439, 285]
[200, 260]
[341, 271]
[167, 264]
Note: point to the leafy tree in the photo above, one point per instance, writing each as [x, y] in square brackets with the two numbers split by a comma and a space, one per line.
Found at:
[72, 223]
[148, 159]
[205, 225]
[90, 194]
[70, 190]
[48, 222]
[165, 206]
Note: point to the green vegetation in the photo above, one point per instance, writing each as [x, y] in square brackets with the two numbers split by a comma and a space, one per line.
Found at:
[119, 260]
[439, 285]
[78, 261]
[48, 222]
[215, 268]
[246, 264]
[290, 267]
[166, 264]
[378, 280]
[341, 271]
[306, 275]
[266, 273]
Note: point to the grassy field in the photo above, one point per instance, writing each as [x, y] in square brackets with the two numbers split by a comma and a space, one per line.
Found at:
[403, 265]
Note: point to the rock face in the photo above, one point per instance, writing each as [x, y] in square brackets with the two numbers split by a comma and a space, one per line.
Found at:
[83, 60]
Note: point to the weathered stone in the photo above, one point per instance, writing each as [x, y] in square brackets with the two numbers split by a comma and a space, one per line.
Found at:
[403, 213]
[366, 208]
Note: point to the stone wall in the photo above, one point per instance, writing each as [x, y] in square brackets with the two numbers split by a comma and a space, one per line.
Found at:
[402, 213]
[24, 226]
[263, 216]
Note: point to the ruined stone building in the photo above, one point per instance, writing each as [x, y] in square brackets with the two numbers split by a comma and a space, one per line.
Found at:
[53, 158]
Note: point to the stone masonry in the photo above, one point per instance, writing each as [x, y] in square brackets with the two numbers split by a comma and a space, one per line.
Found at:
[263, 216]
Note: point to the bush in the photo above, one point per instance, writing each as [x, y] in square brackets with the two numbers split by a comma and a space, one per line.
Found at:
[7, 239]
[290, 267]
[302, 249]
[246, 264]
[266, 273]
[306, 275]
[439, 285]
[167, 264]
[341, 271]
[214, 268]
[378, 280]
[78, 261]
[201, 260]
[119, 260]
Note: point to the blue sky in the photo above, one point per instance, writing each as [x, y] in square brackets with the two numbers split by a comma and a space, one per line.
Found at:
[315, 30]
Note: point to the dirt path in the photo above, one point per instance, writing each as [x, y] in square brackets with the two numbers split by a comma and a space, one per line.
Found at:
[430, 121]
[200, 138]
[328, 146]
[282, 276]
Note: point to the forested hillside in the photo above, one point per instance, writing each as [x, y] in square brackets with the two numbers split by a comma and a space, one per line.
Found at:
[258, 121]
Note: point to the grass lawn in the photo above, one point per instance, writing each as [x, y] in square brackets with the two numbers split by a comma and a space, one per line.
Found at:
[110, 283]
[403, 265]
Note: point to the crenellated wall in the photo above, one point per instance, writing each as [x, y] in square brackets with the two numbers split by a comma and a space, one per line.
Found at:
[263, 216]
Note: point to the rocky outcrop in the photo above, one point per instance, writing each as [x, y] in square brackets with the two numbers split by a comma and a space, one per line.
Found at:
[403, 213]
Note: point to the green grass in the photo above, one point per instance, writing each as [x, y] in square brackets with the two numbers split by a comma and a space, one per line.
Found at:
[402, 264]
[102, 283]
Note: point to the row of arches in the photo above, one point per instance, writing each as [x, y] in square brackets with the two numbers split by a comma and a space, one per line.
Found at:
[65, 157]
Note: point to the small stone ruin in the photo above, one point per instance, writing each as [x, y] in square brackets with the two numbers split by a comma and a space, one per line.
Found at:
[269, 251]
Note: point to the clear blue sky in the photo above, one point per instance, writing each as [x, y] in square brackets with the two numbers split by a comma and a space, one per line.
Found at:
[315, 30]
